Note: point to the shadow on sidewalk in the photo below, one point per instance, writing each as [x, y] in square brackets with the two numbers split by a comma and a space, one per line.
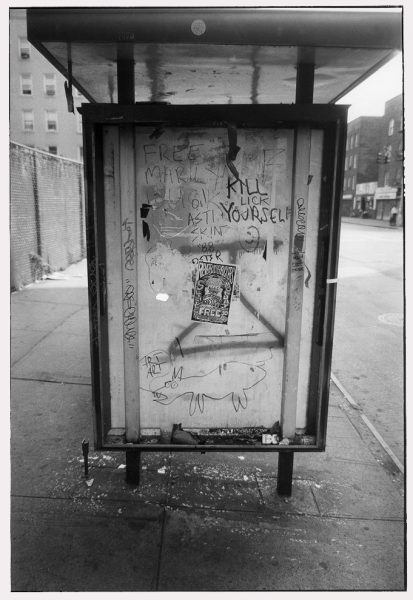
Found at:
[197, 522]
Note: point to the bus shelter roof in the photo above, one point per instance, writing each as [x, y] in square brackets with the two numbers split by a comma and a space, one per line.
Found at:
[214, 55]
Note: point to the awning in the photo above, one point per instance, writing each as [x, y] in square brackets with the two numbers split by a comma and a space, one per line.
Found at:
[385, 193]
[215, 55]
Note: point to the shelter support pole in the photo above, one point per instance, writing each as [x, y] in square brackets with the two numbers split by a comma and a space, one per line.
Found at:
[304, 87]
[295, 284]
[285, 473]
[126, 73]
[129, 284]
[133, 466]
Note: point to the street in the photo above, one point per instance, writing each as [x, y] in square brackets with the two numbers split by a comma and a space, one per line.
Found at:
[368, 334]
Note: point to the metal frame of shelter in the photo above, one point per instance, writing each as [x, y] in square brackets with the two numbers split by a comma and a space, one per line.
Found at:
[224, 26]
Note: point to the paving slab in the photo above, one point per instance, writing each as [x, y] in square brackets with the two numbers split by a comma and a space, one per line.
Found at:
[52, 292]
[76, 324]
[60, 545]
[215, 492]
[24, 340]
[301, 501]
[48, 423]
[39, 315]
[357, 490]
[212, 551]
[61, 357]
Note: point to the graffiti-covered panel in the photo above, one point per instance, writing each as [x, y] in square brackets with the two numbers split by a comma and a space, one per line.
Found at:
[204, 241]
[212, 245]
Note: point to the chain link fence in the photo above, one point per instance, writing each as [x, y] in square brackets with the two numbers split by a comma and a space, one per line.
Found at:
[47, 214]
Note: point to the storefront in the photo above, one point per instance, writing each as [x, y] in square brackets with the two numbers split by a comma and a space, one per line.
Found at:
[347, 205]
[364, 202]
[385, 198]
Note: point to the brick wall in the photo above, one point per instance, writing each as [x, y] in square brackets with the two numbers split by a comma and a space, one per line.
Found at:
[47, 212]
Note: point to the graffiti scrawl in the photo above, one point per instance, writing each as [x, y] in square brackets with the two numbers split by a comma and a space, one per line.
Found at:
[214, 385]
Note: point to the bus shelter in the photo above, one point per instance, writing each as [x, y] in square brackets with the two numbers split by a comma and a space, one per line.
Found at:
[214, 153]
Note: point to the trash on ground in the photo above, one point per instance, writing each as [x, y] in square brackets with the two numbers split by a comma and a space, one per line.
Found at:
[180, 436]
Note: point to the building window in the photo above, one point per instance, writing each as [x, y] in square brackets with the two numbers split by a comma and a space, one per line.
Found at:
[354, 183]
[356, 140]
[386, 178]
[399, 176]
[80, 153]
[352, 142]
[52, 149]
[26, 85]
[388, 153]
[51, 120]
[28, 120]
[347, 144]
[400, 151]
[346, 164]
[390, 130]
[50, 84]
[78, 122]
[355, 161]
[350, 161]
[24, 48]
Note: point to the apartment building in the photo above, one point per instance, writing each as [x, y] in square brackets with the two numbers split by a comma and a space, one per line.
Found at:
[373, 175]
[389, 190]
[39, 116]
[361, 168]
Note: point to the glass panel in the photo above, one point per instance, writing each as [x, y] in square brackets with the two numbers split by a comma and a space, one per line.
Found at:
[215, 74]
[198, 253]
[212, 274]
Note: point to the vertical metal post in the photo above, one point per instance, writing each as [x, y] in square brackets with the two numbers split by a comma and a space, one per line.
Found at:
[304, 89]
[36, 205]
[85, 452]
[295, 283]
[133, 465]
[81, 215]
[126, 73]
[129, 289]
[285, 473]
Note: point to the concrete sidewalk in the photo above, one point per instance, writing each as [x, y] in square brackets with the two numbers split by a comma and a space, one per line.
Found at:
[197, 522]
[369, 222]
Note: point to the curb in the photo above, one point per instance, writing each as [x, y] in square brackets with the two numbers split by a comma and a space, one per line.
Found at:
[369, 223]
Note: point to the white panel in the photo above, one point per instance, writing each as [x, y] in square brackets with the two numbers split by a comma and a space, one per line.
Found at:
[191, 209]
[113, 275]
[129, 283]
[313, 215]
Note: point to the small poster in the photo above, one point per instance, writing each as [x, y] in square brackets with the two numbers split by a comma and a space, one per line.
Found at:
[213, 292]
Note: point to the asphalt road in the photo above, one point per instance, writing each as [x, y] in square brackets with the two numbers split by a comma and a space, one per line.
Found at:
[368, 335]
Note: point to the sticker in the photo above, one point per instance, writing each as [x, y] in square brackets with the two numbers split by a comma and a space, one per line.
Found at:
[198, 27]
[213, 292]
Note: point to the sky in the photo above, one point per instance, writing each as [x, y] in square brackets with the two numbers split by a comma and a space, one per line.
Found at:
[368, 98]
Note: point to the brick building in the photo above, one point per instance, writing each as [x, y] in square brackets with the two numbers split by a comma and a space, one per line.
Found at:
[363, 139]
[373, 171]
[39, 117]
[389, 190]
